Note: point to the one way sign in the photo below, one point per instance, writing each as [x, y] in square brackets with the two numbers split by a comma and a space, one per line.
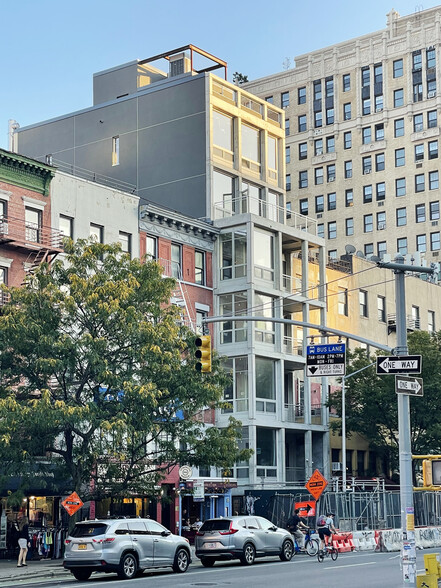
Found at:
[405, 364]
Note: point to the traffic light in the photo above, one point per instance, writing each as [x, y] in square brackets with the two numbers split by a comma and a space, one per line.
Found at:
[203, 353]
[432, 472]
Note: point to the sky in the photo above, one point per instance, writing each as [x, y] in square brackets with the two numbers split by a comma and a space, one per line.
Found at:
[52, 48]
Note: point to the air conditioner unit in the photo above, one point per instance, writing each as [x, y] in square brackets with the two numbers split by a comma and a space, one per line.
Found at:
[331, 179]
[347, 116]
[337, 466]
[431, 94]
[319, 152]
[379, 109]
[419, 165]
[368, 170]
[381, 226]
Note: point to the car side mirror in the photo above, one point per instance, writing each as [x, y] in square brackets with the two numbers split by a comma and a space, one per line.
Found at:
[165, 533]
[273, 528]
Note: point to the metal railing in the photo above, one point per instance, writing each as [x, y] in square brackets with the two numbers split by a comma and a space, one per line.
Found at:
[18, 230]
[293, 285]
[294, 413]
[292, 346]
[243, 204]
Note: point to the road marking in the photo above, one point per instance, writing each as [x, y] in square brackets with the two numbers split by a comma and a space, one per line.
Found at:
[367, 563]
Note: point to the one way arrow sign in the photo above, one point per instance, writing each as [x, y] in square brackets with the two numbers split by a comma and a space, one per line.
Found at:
[405, 364]
[408, 385]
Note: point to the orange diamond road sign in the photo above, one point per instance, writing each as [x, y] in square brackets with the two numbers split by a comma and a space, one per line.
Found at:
[72, 503]
[316, 484]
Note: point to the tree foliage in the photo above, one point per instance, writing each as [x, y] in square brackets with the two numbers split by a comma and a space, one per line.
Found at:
[371, 402]
[98, 382]
[239, 78]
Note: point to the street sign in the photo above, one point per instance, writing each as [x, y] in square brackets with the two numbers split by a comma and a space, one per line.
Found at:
[72, 503]
[326, 360]
[316, 484]
[405, 364]
[409, 385]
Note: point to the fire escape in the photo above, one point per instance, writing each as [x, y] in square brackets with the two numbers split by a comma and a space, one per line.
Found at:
[179, 296]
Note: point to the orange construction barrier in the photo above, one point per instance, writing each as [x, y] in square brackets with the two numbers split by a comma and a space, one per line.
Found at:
[343, 542]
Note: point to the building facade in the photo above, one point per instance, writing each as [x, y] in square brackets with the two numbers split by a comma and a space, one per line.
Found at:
[362, 137]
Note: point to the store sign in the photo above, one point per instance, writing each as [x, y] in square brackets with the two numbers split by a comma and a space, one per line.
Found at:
[198, 492]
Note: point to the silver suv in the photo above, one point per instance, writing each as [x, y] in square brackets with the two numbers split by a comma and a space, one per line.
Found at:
[241, 537]
[124, 546]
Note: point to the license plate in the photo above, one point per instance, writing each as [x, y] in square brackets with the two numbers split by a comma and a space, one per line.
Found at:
[211, 545]
[82, 546]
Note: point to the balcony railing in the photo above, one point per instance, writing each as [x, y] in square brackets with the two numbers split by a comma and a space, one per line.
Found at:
[18, 232]
[292, 346]
[294, 413]
[247, 204]
[294, 474]
[412, 323]
[293, 285]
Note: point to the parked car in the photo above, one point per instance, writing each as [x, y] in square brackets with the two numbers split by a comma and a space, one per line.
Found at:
[241, 537]
[124, 546]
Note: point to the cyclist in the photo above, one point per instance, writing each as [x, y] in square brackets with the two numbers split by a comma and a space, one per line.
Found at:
[294, 525]
[327, 530]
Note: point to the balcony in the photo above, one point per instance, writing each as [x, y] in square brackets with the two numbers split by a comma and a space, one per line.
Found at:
[412, 323]
[244, 204]
[295, 474]
[294, 413]
[292, 346]
[18, 234]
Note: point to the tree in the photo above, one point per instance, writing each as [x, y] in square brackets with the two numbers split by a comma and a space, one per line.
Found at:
[98, 380]
[239, 78]
[371, 402]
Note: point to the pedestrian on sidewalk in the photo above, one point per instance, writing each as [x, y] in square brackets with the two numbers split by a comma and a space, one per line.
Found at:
[23, 528]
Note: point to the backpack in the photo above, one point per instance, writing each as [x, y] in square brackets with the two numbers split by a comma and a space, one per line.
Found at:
[321, 521]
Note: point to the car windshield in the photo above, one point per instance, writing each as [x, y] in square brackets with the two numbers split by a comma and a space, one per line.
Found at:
[216, 525]
[89, 530]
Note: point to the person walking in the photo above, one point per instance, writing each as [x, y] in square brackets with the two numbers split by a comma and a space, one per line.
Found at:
[23, 539]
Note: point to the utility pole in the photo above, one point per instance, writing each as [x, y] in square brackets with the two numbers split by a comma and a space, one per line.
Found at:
[408, 549]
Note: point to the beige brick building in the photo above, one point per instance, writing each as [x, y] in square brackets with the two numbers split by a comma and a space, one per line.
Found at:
[362, 137]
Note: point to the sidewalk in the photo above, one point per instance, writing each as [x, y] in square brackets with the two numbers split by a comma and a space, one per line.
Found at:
[44, 568]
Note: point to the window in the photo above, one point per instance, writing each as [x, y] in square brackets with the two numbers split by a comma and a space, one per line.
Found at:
[401, 217]
[233, 305]
[431, 321]
[329, 116]
[400, 159]
[269, 99]
[417, 123]
[349, 197]
[330, 144]
[432, 120]
[417, 61]
[302, 123]
[303, 179]
[348, 169]
[347, 138]
[349, 227]
[251, 147]
[367, 135]
[317, 85]
[369, 249]
[301, 95]
[347, 111]
[318, 119]
[304, 206]
[330, 172]
[176, 260]
[288, 210]
[343, 301]
[332, 230]
[318, 147]
[319, 204]
[433, 180]
[434, 210]
[400, 187]
[125, 240]
[284, 99]
[346, 82]
[381, 191]
[381, 221]
[430, 58]
[421, 244]
[419, 152]
[303, 151]
[398, 97]
[420, 213]
[329, 87]
[265, 387]
[286, 127]
[366, 106]
[402, 245]
[199, 267]
[332, 201]
[65, 226]
[33, 220]
[151, 249]
[381, 249]
[367, 194]
[288, 182]
[4, 276]
[367, 164]
[264, 330]
[365, 77]
[398, 68]
[115, 150]
[223, 135]
[378, 73]
[97, 233]
[288, 154]
[368, 223]
[417, 92]
[266, 450]
[379, 132]
[435, 241]
[236, 394]
[381, 309]
[321, 230]
[233, 254]
[223, 193]
[318, 173]
[379, 162]
[419, 183]
[433, 149]
[379, 103]
[263, 255]
[399, 127]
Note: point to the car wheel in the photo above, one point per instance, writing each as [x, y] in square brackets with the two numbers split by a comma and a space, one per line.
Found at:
[128, 567]
[207, 562]
[287, 550]
[182, 561]
[81, 575]
[249, 554]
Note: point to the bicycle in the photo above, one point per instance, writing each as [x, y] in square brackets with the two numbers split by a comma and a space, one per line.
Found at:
[328, 551]
[311, 546]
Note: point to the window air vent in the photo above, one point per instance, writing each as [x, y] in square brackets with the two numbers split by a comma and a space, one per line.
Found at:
[381, 203]
[434, 223]
[320, 216]
[419, 165]
[435, 253]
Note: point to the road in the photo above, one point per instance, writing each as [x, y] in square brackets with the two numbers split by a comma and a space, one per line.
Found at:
[361, 569]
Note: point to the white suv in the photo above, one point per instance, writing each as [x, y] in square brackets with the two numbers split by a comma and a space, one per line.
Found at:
[124, 546]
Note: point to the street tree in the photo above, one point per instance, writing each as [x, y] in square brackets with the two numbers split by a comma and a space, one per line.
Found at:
[98, 383]
[239, 78]
[371, 402]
